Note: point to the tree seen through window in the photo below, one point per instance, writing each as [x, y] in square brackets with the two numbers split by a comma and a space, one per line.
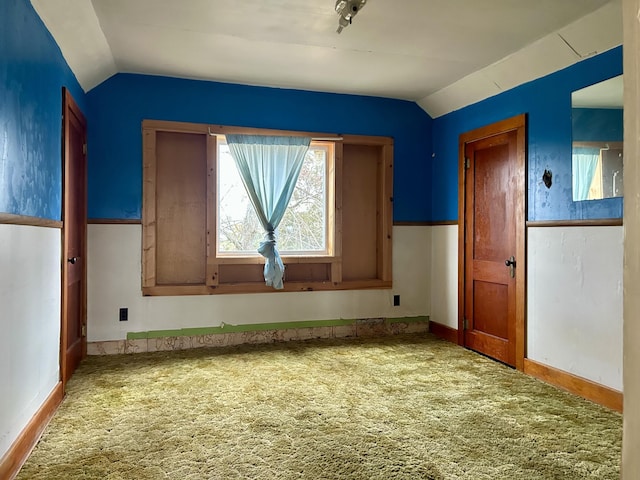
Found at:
[303, 227]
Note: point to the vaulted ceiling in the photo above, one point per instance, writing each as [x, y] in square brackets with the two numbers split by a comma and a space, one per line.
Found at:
[442, 54]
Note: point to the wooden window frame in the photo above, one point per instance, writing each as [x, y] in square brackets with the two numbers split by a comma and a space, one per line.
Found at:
[330, 208]
[329, 274]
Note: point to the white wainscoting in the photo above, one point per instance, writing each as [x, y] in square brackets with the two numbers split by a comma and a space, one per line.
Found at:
[444, 275]
[574, 318]
[30, 292]
[574, 297]
[114, 271]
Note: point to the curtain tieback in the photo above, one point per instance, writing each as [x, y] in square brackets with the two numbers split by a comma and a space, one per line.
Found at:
[268, 245]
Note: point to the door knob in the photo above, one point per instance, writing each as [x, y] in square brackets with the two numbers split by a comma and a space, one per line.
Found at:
[72, 260]
[511, 263]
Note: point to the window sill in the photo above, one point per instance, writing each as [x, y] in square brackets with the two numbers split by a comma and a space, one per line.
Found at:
[251, 287]
[259, 260]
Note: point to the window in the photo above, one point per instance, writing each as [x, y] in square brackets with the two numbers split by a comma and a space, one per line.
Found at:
[200, 233]
[303, 230]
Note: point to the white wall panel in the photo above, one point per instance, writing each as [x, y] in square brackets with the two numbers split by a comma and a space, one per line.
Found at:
[30, 321]
[574, 297]
[114, 272]
[444, 275]
[574, 320]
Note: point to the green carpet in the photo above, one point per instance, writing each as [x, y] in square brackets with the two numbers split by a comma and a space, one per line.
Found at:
[404, 407]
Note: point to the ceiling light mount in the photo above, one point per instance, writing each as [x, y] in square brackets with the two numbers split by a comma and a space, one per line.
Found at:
[347, 9]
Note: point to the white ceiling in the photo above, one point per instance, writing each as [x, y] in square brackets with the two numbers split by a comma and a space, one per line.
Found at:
[607, 94]
[411, 49]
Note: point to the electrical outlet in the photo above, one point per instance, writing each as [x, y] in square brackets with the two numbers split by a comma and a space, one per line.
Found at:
[396, 300]
[124, 314]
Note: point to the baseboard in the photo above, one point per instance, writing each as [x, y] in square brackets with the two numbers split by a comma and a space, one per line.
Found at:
[12, 461]
[582, 387]
[227, 335]
[442, 331]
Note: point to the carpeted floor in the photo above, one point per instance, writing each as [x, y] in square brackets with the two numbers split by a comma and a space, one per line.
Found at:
[404, 407]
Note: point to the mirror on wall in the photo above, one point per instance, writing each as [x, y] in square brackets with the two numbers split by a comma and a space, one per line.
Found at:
[597, 121]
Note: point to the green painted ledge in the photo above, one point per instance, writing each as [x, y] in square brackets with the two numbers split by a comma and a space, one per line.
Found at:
[258, 327]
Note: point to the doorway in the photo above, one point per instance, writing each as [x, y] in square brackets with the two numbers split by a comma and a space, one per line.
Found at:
[491, 241]
[73, 332]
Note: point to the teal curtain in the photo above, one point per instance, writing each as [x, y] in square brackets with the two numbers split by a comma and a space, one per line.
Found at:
[584, 162]
[269, 167]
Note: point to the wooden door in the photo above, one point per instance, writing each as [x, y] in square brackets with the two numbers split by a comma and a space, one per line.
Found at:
[73, 341]
[492, 240]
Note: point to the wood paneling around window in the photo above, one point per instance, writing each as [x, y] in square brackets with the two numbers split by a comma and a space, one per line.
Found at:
[181, 209]
[179, 221]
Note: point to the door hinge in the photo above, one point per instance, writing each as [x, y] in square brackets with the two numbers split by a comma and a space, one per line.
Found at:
[467, 162]
[84, 330]
[84, 148]
[465, 324]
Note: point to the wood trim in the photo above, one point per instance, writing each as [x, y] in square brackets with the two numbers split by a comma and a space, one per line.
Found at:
[11, 219]
[212, 272]
[367, 140]
[385, 210]
[165, 126]
[582, 387]
[600, 222]
[212, 284]
[114, 221]
[186, 127]
[72, 114]
[177, 290]
[517, 124]
[335, 212]
[259, 259]
[461, 236]
[225, 129]
[168, 126]
[260, 287]
[21, 448]
[425, 224]
[520, 123]
[64, 270]
[496, 128]
[443, 331]
[148, 206]
[613, 145]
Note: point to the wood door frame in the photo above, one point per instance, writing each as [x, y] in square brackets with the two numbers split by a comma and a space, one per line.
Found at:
[69, 106]
[517, 124]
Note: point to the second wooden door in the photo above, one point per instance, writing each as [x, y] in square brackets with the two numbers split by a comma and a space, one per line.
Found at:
[492, 246]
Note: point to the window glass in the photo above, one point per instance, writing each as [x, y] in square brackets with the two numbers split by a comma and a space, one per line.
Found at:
[304, 226]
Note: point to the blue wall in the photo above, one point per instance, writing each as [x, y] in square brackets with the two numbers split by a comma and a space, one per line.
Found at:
[118, 106]
[32, 74]
[547, 103]
[597, 124]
